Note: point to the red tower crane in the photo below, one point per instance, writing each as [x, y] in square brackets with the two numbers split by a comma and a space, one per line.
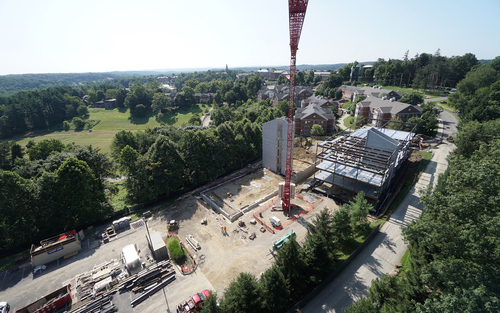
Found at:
[296, 15]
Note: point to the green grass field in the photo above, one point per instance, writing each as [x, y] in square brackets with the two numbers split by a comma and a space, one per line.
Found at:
[109, 123]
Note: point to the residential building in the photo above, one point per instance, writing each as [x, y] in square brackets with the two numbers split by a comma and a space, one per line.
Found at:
[380, 111]
[311, 115]
[322, 102]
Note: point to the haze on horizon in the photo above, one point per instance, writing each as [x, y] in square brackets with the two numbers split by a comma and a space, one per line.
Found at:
[60, 36]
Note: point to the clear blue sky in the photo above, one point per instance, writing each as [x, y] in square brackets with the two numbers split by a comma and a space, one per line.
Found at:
[61, 36]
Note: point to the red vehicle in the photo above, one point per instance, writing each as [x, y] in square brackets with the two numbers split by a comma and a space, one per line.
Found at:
[195, 303]
[50, 302]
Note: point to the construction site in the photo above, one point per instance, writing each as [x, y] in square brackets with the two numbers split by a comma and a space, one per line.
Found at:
[232, 225]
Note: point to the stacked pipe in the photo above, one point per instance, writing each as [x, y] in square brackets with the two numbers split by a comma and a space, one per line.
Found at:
[101, 304]
[147, 277]
[149, 281]
[154, 288]
[192, 242]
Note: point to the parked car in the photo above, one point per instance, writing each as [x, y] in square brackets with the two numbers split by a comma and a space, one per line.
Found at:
[4, 307]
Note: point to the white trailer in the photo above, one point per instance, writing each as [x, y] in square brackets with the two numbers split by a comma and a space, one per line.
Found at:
[131, 259]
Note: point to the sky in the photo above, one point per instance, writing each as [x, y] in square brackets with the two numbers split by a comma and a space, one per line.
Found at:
[74, 36]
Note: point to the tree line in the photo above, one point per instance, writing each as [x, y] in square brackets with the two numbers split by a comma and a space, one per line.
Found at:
[454, 248]
[56, 188]
[297, 269]
[161, 161]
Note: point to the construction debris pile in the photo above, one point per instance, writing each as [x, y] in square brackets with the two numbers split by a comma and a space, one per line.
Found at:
[149, 281]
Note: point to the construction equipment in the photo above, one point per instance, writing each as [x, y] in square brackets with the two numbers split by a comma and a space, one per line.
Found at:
[172, 225]
[204, 221]
[278, 244]
[296, 15]
[275, 221]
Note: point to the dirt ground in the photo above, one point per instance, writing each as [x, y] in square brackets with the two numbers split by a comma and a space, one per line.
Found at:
[223, 255]
[245, 191]
[304, 153]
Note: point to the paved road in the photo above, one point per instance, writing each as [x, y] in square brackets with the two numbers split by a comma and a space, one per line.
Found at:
[387, 248]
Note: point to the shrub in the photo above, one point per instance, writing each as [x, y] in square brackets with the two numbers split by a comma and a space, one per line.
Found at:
[176, 251]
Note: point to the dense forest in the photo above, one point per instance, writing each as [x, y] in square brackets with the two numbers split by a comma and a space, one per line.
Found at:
[454, 247]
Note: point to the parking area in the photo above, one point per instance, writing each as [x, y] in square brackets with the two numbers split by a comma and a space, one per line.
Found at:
[222, 256]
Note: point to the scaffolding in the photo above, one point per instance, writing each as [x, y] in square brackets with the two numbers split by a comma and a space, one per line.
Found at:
[365, 160]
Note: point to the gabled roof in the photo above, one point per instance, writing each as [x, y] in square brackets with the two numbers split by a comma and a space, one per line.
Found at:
[395, 106]
[316, 100]
[313, 108]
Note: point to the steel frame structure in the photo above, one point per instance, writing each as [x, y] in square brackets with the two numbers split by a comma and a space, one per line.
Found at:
[349, 153]
[296, 14]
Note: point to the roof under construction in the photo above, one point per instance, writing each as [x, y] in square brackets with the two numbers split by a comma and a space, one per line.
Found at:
[365, 160]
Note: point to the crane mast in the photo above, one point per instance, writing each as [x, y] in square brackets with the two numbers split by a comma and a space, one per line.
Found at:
[296, 14]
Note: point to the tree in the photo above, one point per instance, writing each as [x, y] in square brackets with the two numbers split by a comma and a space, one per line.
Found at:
[211, 305]
[78, 122]
[161, 103]
[309, 79]
[140, 110]
[275, 292]
[317, 130]
[80, 198]
[242, 295]
[341, 225]
[413, 98]
[395, 123]
[83, 110]
[338, 94]
[121, 140]
[359, 209]
[42, 149]
[291, 263]
[195, 120]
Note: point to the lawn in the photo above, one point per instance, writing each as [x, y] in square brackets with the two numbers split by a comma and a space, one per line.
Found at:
[348, 121]
[109, 122]
[428, 94]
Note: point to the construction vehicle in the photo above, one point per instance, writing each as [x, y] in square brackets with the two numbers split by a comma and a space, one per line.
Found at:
[275, 221]
[278, 244]
[172, 225]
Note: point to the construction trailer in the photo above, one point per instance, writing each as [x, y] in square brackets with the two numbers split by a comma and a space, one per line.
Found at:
[131, 259]
[51, 249]
[157, 247]
[50, 303]
[364, 161]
